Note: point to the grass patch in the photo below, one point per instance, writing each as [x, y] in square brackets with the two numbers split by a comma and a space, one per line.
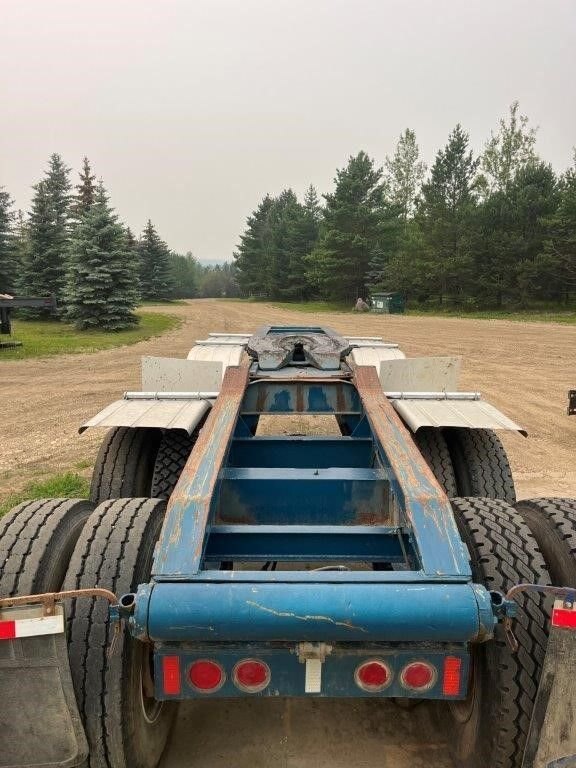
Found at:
[313, 306]
[42, 338]
[164, 302]
[68, 485]
[567, 317]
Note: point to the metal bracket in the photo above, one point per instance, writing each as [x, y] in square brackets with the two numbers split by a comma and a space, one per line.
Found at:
[316, 651]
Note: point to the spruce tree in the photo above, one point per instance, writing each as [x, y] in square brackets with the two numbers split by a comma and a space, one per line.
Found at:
[44, 269]
[7, 256]
[102, 287]
[351, 231]
[85, 192]
[253, 257]
[155, 272]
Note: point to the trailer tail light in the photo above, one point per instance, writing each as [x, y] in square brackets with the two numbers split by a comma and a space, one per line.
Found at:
[171, 675]
[451, 676]
[373, 676]
[562, 617]
[251, 675]
[418, 676]
[206, 676]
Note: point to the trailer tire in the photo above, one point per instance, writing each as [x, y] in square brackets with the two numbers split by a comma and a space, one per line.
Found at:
[480, 463]
[434, 449]
[36, 541]
[553, 525]
[173, 454]
[490, 727]
[125, 726]
[125, 464]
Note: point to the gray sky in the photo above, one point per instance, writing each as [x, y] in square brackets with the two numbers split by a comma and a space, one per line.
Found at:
[191, 110]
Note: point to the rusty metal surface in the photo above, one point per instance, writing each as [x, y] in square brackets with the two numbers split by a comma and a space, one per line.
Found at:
[183, 537]
[49, 599]
[417, 491]
[320, 348]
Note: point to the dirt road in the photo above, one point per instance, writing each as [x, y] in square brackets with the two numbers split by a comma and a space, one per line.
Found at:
[524, 369]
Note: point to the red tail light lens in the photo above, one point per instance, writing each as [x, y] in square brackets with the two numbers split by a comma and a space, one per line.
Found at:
[251, 675]
[418, 676]
[451, 677]
[372, 676]
[206, 676]
[171, 675]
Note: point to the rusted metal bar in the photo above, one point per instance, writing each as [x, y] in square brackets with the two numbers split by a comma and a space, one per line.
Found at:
[49, 599]
[183, 536]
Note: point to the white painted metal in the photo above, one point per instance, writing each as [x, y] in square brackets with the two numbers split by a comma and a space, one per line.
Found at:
[227, 354]
[30, 622]
[168, 414]
[375, 355]
[177, 375]
[420, 374]
[475, 414]
[171, 395]
[433, 395]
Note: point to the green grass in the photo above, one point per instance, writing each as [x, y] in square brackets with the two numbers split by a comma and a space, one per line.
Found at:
[568, 317]
[164, 302]
[42, 338]
[68, 485]
[544, 315]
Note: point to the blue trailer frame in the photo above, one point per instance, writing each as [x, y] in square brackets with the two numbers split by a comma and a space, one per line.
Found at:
[366, 496]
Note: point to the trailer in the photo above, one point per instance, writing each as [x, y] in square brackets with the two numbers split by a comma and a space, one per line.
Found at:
[226, 551]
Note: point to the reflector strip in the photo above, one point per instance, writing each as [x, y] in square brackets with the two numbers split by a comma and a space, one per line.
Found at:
[171, 674]
[562, 617]
[43, 625]
[313, 676]
[451, 677]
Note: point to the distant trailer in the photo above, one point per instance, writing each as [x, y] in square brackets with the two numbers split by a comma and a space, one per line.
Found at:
[8, 303]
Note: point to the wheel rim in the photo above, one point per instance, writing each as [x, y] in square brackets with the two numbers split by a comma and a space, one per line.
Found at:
[151, 707]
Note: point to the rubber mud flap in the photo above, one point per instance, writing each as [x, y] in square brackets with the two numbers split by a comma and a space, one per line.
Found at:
[40, 725]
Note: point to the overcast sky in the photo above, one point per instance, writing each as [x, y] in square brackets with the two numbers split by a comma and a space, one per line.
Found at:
[191, 110]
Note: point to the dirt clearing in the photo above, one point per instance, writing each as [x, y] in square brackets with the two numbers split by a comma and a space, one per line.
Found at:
[523, 368]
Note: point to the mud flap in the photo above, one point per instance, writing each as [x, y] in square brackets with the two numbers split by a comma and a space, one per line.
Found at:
[40, 725]
[552, 736]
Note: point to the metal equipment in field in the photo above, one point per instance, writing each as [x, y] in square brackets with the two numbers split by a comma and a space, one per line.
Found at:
[9, 303]
[381, 554]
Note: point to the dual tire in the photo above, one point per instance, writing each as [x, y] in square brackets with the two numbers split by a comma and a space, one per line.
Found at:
[112, 546]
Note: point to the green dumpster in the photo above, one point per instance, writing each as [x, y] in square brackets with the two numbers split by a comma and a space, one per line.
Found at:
[388, 303]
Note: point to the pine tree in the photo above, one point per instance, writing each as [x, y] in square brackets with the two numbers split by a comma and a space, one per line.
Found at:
[102, 282]
[7, 255]
[312, 204]
[155, 274]
[44, 270]
[85, 192]
[557, 262]
[404, 175]
[351, 231]
[253, 255]
[448, 203]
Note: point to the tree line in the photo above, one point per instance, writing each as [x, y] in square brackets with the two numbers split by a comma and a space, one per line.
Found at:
[72, 246]
[495, 230]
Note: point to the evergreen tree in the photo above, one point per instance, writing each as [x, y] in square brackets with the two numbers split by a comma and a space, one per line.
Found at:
[155, 275]
[103, 273]
[44, 270]
[312, 204]
[85, 192]
[21, 249]
[350, 236]
[253, 257]
[448, 203]
[185, 275]
[556, 264]
[404, 175]
[511, 149]
[7, 255]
